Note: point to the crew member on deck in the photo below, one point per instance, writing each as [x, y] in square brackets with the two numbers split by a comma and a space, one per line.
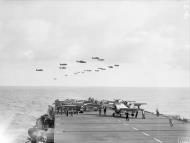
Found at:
[72, 112]
[99, 109]
[67, 112]
[127, 116]
[143, 114]
[104, 110]
[157, 113]
[136, 114]
[171, 122]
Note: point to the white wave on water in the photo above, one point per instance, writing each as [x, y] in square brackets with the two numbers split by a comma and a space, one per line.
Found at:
[20, 106]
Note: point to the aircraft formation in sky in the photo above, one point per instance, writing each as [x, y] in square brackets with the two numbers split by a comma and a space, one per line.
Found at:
[64, 66]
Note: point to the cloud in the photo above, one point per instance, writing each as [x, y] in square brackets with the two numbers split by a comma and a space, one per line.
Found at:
[21, 38]
[37, 30]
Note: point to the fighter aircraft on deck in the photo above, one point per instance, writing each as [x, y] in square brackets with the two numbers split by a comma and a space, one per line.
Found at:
[81, 61]
[62, 107]
[120, 109]
[90, 107]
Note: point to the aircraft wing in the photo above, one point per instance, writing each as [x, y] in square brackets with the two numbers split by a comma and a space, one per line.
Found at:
[139, 104]
[69, 105]
[91, 105]
[109, 105]
[132, 110]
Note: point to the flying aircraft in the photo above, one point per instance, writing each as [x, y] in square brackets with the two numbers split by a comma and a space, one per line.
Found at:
[102, 68]
[81, 61]
[76, 72]
[39, 70]
[110, 66]
[62, 64]
[100, 59]
[95, 58]
[116, 65]
[62, 67]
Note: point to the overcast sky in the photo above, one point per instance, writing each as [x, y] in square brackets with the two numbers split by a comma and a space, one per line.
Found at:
[150, 41]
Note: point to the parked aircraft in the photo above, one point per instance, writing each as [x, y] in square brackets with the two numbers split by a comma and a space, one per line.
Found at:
[90, 107]
[68, 107]
[76, 107]
[121, 109]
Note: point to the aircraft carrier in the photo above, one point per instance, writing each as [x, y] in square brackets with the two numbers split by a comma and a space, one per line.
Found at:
[89, 127]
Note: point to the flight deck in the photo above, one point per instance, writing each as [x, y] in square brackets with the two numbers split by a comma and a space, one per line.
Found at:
[89, 127]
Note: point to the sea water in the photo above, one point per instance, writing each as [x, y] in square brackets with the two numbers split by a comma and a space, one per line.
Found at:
[21, 106]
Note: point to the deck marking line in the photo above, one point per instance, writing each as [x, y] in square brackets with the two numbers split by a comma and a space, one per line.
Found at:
[135, 128]
[157, 140]
[145, 134]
